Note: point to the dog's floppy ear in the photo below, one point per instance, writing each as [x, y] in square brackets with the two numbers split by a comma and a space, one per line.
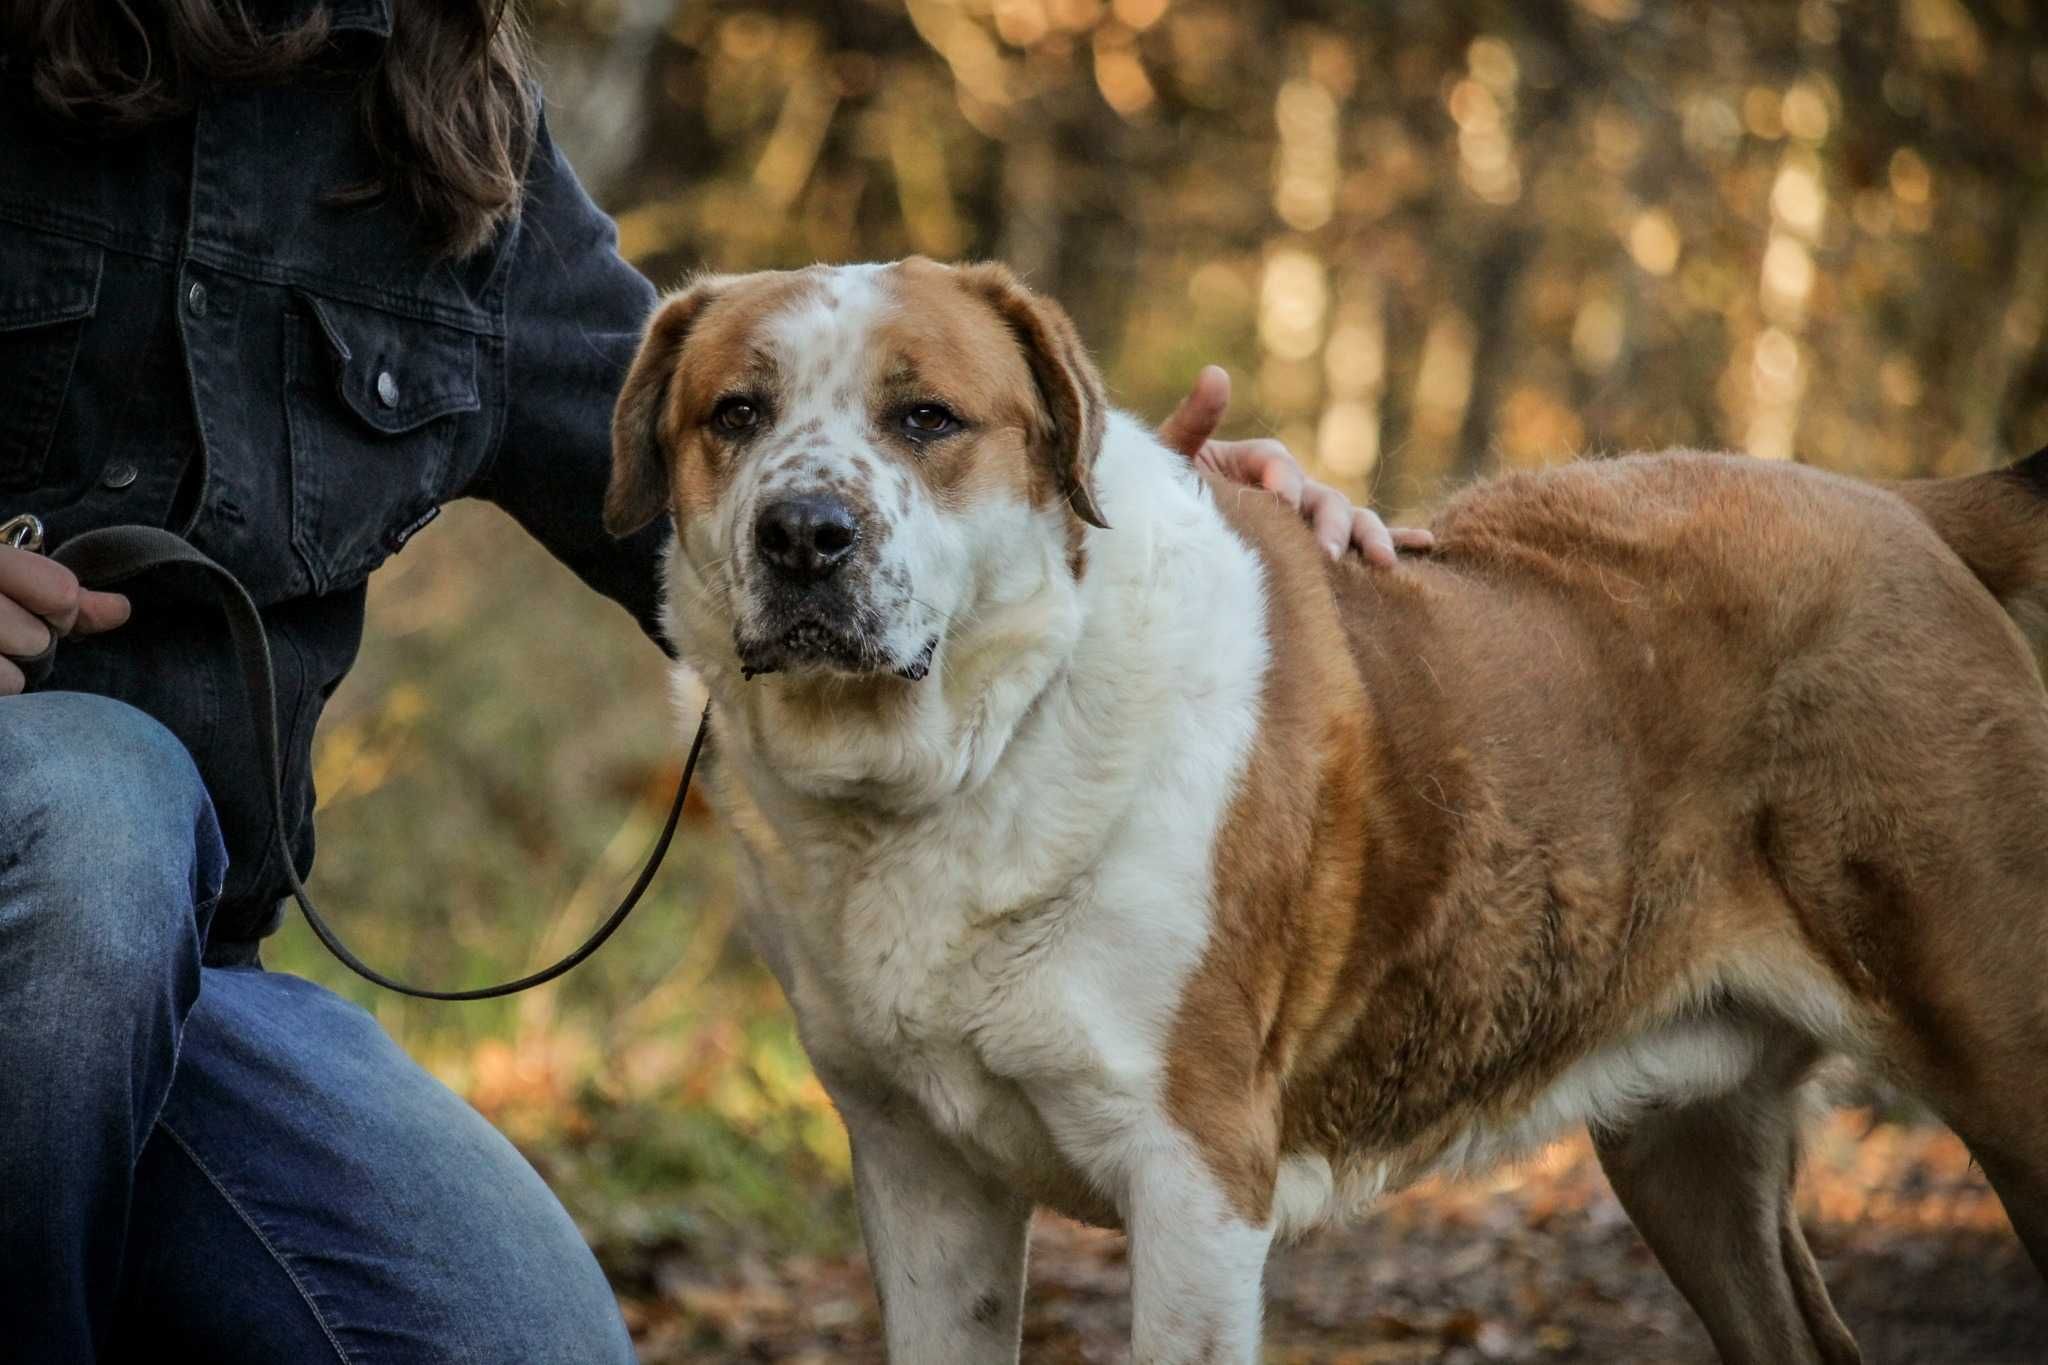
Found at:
[639, 489]
[1071, 399]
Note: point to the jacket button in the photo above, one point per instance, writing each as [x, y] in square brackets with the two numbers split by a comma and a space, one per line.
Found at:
[387, 389]
[195, 299]
[118, 476]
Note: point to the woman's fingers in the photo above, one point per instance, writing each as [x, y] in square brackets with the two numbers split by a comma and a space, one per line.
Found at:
[23, 634]
[41, 586]
[1261, 463]
[98, 611]
[50, 592]
[1371, 537]
[1266, 463]
[1329, 516]
[1195, 420]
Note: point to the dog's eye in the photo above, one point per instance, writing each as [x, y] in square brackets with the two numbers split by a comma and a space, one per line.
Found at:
[929, 419]
[736, 415]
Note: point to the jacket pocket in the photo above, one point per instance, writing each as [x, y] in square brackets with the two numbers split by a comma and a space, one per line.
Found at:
[49, 286]
[376, 404]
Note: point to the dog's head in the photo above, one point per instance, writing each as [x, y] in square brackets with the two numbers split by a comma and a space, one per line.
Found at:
[856, 458]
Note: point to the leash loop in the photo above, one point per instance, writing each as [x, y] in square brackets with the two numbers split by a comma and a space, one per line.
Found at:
[110, 556]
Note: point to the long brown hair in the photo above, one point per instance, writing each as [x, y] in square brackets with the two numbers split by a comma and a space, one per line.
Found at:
[446, 109]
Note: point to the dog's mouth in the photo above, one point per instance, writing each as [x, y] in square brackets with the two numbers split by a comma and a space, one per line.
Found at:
[815, 644]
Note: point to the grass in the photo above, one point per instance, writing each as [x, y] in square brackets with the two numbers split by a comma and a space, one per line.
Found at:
[491, 775]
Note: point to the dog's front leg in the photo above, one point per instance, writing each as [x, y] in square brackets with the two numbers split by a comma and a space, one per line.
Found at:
[945, 1245]
[1197, 1267]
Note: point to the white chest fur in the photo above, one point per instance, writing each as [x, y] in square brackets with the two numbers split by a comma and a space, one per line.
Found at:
[1010, 957]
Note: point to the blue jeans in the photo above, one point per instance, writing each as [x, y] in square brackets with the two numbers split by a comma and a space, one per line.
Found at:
[228, 1164]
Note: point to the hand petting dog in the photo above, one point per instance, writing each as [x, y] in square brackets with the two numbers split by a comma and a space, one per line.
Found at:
[1265, 463]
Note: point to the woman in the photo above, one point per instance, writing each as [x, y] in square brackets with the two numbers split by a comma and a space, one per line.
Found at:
[284, 281]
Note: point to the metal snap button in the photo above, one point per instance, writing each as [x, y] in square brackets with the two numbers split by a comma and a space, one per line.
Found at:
[195, 299]
[118, 476]
[387, 389]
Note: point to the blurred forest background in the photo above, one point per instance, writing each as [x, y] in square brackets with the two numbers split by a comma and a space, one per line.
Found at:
[1430, 240]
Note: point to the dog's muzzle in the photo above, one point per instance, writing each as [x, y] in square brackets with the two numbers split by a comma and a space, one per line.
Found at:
[810, 594]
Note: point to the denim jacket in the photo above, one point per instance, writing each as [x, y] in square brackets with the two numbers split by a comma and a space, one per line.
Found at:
[192, 337]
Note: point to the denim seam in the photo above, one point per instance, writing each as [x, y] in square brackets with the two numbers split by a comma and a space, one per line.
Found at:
[464, 317]
[177, 1053]
[268, 1245]
[94, 231]
[502, 399]
[202, 912]
[156, 1120]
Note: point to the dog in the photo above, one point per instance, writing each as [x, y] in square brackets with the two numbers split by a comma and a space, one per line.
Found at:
[1121, 853]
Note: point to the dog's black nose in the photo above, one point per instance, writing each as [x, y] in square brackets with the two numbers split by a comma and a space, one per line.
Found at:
[806, 538]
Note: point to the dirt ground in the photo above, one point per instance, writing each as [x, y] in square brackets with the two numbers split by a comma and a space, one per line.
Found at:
[1541, 1265]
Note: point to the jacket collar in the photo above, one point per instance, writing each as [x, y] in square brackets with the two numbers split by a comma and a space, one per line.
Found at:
[343, 16]
[360, 16]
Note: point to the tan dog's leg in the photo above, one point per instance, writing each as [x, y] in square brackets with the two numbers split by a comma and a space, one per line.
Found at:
[2022, 1186]
[946, 1247]
[1984, 1072]
[1974, 1011]
[1991, 1093]
[1710, 1188]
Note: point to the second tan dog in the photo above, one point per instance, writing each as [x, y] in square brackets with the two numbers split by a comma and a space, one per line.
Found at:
[1120, 853]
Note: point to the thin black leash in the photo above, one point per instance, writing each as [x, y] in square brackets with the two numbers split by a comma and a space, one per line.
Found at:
[113, 555]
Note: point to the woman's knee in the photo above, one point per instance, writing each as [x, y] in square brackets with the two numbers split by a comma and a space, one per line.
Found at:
[530, 1286]
[397, 1200]
[110, 856]
[79, 747]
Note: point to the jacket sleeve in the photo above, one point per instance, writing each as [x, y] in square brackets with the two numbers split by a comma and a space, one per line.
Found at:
[573, 313]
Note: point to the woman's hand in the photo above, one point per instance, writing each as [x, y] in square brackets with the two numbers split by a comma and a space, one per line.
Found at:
[1265, 463]
[41, 600]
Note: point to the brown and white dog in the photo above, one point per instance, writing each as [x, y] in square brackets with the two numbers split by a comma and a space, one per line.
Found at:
[1119, 853]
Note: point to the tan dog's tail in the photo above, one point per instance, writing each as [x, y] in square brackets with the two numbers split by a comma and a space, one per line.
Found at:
[1997, 523]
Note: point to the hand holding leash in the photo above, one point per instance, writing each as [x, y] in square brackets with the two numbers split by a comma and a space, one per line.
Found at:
[41, 602]
[44, 599]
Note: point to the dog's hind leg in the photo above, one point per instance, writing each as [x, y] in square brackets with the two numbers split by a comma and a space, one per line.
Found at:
[1978, 1050]
[2021, 1181]
[1965, 979]
[1709, 1186]
[1982, 1062]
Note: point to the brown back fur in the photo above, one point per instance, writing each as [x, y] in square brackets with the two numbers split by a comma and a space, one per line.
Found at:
[1636, 721]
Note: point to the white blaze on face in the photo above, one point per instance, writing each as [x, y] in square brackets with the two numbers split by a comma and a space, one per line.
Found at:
[834, 366]
[824, 361]
[901, 661]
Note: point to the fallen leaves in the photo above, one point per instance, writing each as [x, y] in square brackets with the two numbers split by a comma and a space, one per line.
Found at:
[1540, 1265]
